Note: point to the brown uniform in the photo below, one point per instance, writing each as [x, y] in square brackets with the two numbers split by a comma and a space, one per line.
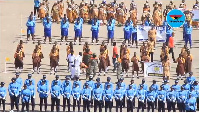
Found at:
[145, 59]
[181, 66]
[54, 58]
[188, 63]
[21, 46]
[55, 10]
[135, 65]
[19, 59]
[152, 36]
[166, 68]
[125, 61]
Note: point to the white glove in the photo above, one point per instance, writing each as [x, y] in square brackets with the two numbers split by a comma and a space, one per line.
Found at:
[34, 96]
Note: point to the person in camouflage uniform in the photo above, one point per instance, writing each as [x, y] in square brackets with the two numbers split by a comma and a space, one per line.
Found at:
[86, 58]
[119, 67]
[93, 64]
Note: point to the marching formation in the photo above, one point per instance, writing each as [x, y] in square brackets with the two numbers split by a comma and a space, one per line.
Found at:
[100, 95]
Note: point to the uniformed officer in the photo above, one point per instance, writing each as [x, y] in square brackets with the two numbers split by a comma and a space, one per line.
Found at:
[2, 95]
[171, 100]
[19, 81]
[108, 82]
[76, 93]
[86, 96]
[188, 33]
[40, 81]
[31, 87]
[191, 78]
[118, 94]
[97, 95]
[155, 89]
[26, 98]
[66, 92]
[95, 32]
[151, 95]
[64, 28]
[108, 97]
[110, 29]
[145, 88]
[77, 30]
[141, 95]
[13, 90]
[76, 80]
[166, 87]
[71, 60]
[127, 33]
[28, 79]
[67, 79]
[30, 28]
[196, 88]
[130, 94]
[93, 64]
[186, 85]
[161, 96]
[98, 81]
[59, 83]
[176, 87]
[56, 92]
[134, 87]
[181, 99]
[43, 91]
[47, 30]
[123, 88]
[91, 86]
[190, 104]
[193, 93]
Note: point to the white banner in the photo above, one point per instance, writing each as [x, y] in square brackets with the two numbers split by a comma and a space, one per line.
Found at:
[153, 69]
[196, 15]
[142, 33]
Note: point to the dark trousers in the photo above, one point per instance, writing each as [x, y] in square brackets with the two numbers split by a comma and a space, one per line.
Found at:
[129, 106]
[3, 102]
[155, 103]
[197, 103]
[151, 55]
[108, 104]
[171, 106]
[97, 104]
[190, 110]
[123, 102]
[181, 107]
[36, 9]
[14, 100]
[150, 105]
[161, 106]
[171, 50]
[114, 63]
[41, 103]
[86, 104]
[140, 105]
[64, 104]
[27, 106]
[33, 103]
[74, 104]
[53, 102]
[119, 105]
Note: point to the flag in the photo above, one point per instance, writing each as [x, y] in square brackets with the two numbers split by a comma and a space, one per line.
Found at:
[7, 59]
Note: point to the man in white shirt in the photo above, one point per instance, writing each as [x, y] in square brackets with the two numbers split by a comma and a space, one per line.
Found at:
[71, 61]
[76, 70]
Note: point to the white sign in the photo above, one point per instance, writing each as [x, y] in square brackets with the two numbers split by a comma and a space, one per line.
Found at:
[142, 33]
[196, 15]
[153, 68]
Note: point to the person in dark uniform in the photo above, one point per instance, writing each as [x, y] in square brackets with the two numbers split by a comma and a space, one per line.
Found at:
[2, 95]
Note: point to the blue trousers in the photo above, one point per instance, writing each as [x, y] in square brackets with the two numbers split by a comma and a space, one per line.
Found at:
[134, 36]
[30, 30]
[127, 35]
[47, 32]
[188, 38]
[64, 32]
[78, 33]
[95, 34]
[167, 38]
[110, 34]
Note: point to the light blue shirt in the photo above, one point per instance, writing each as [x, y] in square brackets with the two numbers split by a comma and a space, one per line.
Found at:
[36, 3]
[94, 27]
[48, 25]
[64, 25]
[188, 30]
[2, 92]
[30, 23]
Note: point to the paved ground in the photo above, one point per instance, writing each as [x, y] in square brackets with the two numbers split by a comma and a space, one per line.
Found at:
[10, 11]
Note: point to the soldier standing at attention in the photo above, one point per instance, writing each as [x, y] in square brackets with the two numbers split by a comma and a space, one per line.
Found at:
[66, 92]
[108, 97]
[31, 87]
[118, 95]
[2, 95]
[30, 28]
[141, 95]
[135, 65]
[181, 99]
[76, 93]
[93, 64]
[86, 96]
[161, 96]
[171, 100]
[97, 95]
[130, 94]
[26, 97]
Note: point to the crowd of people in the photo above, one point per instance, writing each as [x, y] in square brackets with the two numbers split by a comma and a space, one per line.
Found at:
[186, 96]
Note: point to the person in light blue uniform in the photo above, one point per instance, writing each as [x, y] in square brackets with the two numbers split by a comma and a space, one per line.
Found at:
[145, 88]
[3, 95]
[134, 87]
[193, 93]
[77, 30]
[67, 79]
[32, 15]
[130, 95]
[161, 96]
[86, 96]
[76, 93]
[19, 81]
[108, 82]
[155, 89]
[98, 97]
[29, 79]
[123, 88]
[108, 97]
[91, 85]
[44, 21]
[169, 31]
[166, 87]
[188, 32]
[36, 7]
[81, 22]
[151, 96]
[176, 87]
[181, 99]
[95, 32]
[31, 87]
[64, 28]
[40, 81]
[184, 29]
[127, 33]
[30, 28]
[26, 98]
[98, 81]
[190, 104]
[171, 100]
[111, 31]
[76, 80]
[186, 85]
[14, 94]
[47, 30]
[147, 21]
[134, 35]
[196, 88]
[191, 78]
[66, 92]
[43, 91]
[118, 95]
[141, 95]
[56, 92]
[59, 83]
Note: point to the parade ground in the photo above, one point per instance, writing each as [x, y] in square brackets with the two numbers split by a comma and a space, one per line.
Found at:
[13, 18]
